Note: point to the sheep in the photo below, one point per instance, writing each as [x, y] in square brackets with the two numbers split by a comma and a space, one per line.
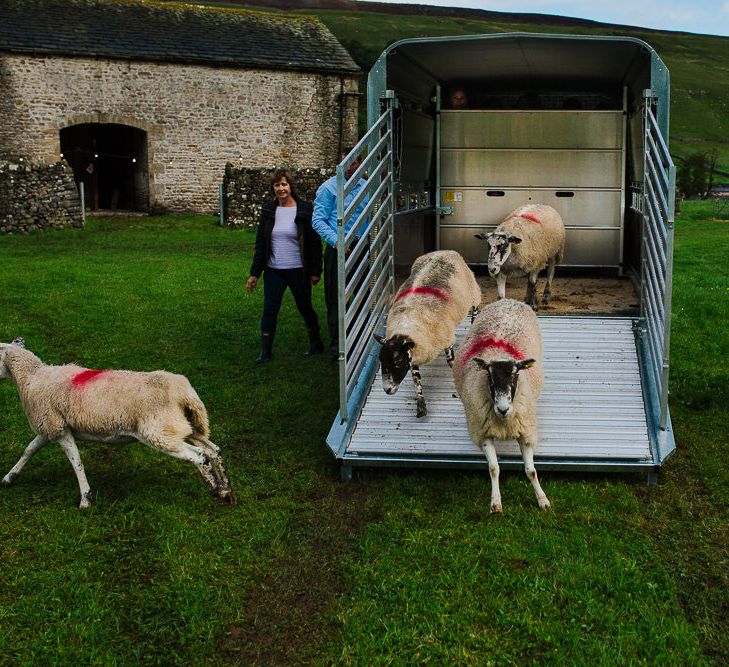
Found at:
[529, 238]
[69, 403]
[423, 318]
[498, 376]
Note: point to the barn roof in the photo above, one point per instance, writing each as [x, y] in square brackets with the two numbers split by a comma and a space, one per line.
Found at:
[170, 32]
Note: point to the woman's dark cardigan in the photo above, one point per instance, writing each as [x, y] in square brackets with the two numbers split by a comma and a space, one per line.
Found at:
[309, 240]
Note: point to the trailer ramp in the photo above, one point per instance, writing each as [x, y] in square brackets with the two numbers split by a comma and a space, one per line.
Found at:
[591, 412]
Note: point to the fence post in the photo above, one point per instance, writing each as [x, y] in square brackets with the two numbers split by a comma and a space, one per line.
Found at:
[82, 194]
[221, 193]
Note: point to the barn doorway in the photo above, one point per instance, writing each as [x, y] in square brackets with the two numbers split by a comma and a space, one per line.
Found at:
[111, 160]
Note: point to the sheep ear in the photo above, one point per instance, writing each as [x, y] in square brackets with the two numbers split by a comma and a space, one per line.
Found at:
[481, 236]
[514, 239]
[379, 339]
[480, 363]
[19, 341]
[525, 363]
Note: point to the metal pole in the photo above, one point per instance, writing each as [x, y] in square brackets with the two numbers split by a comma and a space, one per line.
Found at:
[341, 290]
[82, 194]
[221, 192]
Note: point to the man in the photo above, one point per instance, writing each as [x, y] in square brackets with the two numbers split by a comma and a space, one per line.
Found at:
[324, 222]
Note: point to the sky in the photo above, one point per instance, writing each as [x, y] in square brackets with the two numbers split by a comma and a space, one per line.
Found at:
[709, 17]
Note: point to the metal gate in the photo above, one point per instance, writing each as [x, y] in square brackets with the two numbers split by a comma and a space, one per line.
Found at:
[659, 176]
[365, 270]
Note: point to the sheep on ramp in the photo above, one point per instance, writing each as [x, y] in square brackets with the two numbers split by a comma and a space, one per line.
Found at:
[498, 375]
[69, 403]
[530, 238]
[423, 317]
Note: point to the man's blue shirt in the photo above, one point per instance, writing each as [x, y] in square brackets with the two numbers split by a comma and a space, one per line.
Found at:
[324, 219]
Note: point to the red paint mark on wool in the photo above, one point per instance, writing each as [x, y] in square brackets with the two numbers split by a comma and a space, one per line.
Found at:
[526, 216]
[489, 344]
[83, 377]
[431, 291]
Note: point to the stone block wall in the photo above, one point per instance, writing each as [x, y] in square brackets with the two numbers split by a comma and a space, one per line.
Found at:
[247, 189]
[197, 118]
[38, 196]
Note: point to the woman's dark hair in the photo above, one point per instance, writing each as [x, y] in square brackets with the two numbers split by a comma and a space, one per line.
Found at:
[284, 173]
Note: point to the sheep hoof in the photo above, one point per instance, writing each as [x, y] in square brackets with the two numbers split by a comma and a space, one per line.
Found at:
[86, 499]
[225, 496]
[496, 508]
[544, 503]
[422, 410]
[7, 480]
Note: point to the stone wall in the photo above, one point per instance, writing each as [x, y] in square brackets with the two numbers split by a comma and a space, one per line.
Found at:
[197, 118]
[38, 196]
[247, 189]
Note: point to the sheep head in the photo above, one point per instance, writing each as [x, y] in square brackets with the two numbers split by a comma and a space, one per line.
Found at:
[396, 358]
[503, 377]
[4, 370]
[500, 244]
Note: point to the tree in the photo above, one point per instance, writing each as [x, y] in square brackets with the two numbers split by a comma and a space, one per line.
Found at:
[696, 174]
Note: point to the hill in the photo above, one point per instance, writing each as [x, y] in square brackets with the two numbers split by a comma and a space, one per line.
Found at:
[699, 64]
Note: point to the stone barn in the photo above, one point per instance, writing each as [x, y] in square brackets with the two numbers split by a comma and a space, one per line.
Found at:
[148, 101]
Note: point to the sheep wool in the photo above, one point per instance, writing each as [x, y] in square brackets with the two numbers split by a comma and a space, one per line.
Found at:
[502, 347]
[432, 302]
[68, 402]
[542, 235]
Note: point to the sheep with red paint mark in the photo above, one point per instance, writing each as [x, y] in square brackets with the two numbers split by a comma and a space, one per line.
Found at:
[498, 375]
[423, 317]
[69, 403]
[530, 238]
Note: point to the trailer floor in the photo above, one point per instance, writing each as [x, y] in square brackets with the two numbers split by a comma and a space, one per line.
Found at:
[591, 412]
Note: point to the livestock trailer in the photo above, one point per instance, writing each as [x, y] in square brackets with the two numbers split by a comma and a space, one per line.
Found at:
[579, 123]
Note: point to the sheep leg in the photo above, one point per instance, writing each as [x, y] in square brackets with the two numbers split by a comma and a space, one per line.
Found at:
[450, 356]
[489, 449]
[500, 286]
[37, 443]
[415, 372]
[213, 453]
[531, 293]
[527, 454]
[68, 444]
[475, 310]
[551, 265]
[179, 449]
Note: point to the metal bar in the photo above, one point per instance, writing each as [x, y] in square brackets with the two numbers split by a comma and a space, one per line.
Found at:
[379, 244]
[655, 130]
[357, 372]
[372, 156]
[82, 192]
[341, 303]
[363, 217]
[371, 276]
[364, 192]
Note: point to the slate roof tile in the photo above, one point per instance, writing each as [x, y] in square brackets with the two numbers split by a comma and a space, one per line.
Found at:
[170, 32]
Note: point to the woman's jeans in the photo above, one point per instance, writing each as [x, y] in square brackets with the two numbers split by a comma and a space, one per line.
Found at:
[275, 282]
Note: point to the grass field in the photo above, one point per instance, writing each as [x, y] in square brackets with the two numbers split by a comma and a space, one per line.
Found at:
[397, 567]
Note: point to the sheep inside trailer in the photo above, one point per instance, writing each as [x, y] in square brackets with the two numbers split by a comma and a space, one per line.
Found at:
[579, 123]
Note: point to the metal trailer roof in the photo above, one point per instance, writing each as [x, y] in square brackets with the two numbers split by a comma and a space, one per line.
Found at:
[591, 412]
[416, 65]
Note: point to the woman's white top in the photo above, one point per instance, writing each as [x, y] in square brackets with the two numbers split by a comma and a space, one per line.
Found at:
[285, 250]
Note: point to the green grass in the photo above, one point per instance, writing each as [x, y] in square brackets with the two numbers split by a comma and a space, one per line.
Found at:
[398, 566]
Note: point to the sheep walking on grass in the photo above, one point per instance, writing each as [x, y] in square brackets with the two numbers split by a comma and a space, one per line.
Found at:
[423, 317]
[69, 403]
[530, 238]
[498, 375]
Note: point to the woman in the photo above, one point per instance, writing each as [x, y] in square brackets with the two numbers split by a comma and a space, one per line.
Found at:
[288, 253]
